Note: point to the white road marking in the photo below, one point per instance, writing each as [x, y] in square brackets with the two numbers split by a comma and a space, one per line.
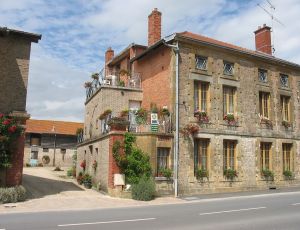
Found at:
[105, 222]
[228, 211]
[296, 204]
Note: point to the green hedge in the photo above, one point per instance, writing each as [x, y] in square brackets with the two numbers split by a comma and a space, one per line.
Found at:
[12, 194]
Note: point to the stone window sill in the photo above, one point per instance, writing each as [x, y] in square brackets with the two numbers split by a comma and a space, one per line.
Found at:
[161, 178]
[229, 77]
[201, 71]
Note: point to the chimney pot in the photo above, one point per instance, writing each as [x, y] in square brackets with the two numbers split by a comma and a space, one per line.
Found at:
[154, 27]
[263, 39]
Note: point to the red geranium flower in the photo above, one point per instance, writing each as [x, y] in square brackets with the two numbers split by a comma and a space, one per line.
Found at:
[6, 122]
[12, 129]
[1, 115]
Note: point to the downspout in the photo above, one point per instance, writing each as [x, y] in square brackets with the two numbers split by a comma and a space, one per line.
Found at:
[176, 154]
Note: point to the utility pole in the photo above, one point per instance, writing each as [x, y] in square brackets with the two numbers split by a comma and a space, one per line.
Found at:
[53, 130]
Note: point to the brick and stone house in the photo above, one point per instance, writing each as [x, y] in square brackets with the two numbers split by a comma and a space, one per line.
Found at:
[50, 143]
[14, 65]
[238, 111]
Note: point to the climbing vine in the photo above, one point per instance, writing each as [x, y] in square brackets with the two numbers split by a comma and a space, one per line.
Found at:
[9, 131]
[134, 163]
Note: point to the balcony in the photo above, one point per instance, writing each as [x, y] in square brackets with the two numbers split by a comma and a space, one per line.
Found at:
[120, 79]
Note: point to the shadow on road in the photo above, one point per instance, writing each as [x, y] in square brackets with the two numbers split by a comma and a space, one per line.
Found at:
[38, 187]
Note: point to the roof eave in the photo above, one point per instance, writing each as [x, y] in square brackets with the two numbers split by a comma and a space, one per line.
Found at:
[31, 36]
[262, 56]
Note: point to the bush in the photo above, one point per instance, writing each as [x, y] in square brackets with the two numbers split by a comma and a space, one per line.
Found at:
[166, 172]
[12, 194]
[144, 189]
[230, 174]
[87, 181]
[71, 172]
[267, 174]
[288, 174]
[201, 173]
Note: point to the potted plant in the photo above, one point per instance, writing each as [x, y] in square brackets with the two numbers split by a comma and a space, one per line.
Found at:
[124, 113]
[201, 174]
[118, 124]
[165, 112]
[267, 174]
[124, 72]
[288, 175]
[79, 178]
[95, 76]
[83, 164]
[230, 174]
[105, 114]
[231, 120]
[87, 181]
[166, 172]
[141, 116]
[286, 124]
[202, 116]
[87, 84]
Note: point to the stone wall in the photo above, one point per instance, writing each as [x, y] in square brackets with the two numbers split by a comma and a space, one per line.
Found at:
[14, 66]
[248, 133]
[107, 97]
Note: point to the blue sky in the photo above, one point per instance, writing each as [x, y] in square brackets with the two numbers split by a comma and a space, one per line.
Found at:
[76, 34]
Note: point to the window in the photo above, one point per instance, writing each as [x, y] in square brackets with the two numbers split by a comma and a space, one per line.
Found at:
[34, 155]
[284, 80]
[262, 75]
[162, 158]
[229, 154]
[63, 151]
[201, 96]
[287, 157]
[201, 62]
[91, 149]
[201, 154]
[45, 150]
[97, 151]
[228, 100]
[285, 107]
[228, 68]
[264, 104]
[265, 156]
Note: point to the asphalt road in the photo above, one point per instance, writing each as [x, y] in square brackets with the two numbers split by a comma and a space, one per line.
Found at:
[273, 211]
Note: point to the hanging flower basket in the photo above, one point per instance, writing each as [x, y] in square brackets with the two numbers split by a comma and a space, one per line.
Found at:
[141, 116]
[190, 129]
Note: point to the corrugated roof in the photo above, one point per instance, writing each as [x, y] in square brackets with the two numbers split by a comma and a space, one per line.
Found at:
[46, 126]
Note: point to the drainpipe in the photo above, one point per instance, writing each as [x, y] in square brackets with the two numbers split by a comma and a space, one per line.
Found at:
[176, 50]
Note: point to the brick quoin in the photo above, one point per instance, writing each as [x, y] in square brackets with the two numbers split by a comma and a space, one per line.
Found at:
[14, 174]
[112, 165]
[263, 39]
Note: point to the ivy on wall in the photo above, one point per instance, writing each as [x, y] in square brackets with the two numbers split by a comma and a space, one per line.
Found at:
[134, 163]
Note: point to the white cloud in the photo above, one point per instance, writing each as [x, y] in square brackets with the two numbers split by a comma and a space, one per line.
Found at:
[77, 33]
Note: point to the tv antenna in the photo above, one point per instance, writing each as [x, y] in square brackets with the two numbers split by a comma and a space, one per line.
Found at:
[273, 18]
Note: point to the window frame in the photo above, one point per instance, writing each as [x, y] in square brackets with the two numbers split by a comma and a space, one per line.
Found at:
[229, 95]
[285, 102]
[201, 90]
[265, 150]
[228, 72]
[200, 145]
[205, 59]
[287, 162]
[265, 75]
[264, 105]
[229, 154]
[282, 84]
[166, 158]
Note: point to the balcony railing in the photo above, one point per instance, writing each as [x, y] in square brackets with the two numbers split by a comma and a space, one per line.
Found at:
[113, 79]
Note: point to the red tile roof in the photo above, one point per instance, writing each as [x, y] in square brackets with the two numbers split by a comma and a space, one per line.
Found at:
[46, 126]
[219, 43]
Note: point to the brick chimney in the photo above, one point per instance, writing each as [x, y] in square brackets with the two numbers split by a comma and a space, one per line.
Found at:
[109, 54]
[263, 39]
[154, 27]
